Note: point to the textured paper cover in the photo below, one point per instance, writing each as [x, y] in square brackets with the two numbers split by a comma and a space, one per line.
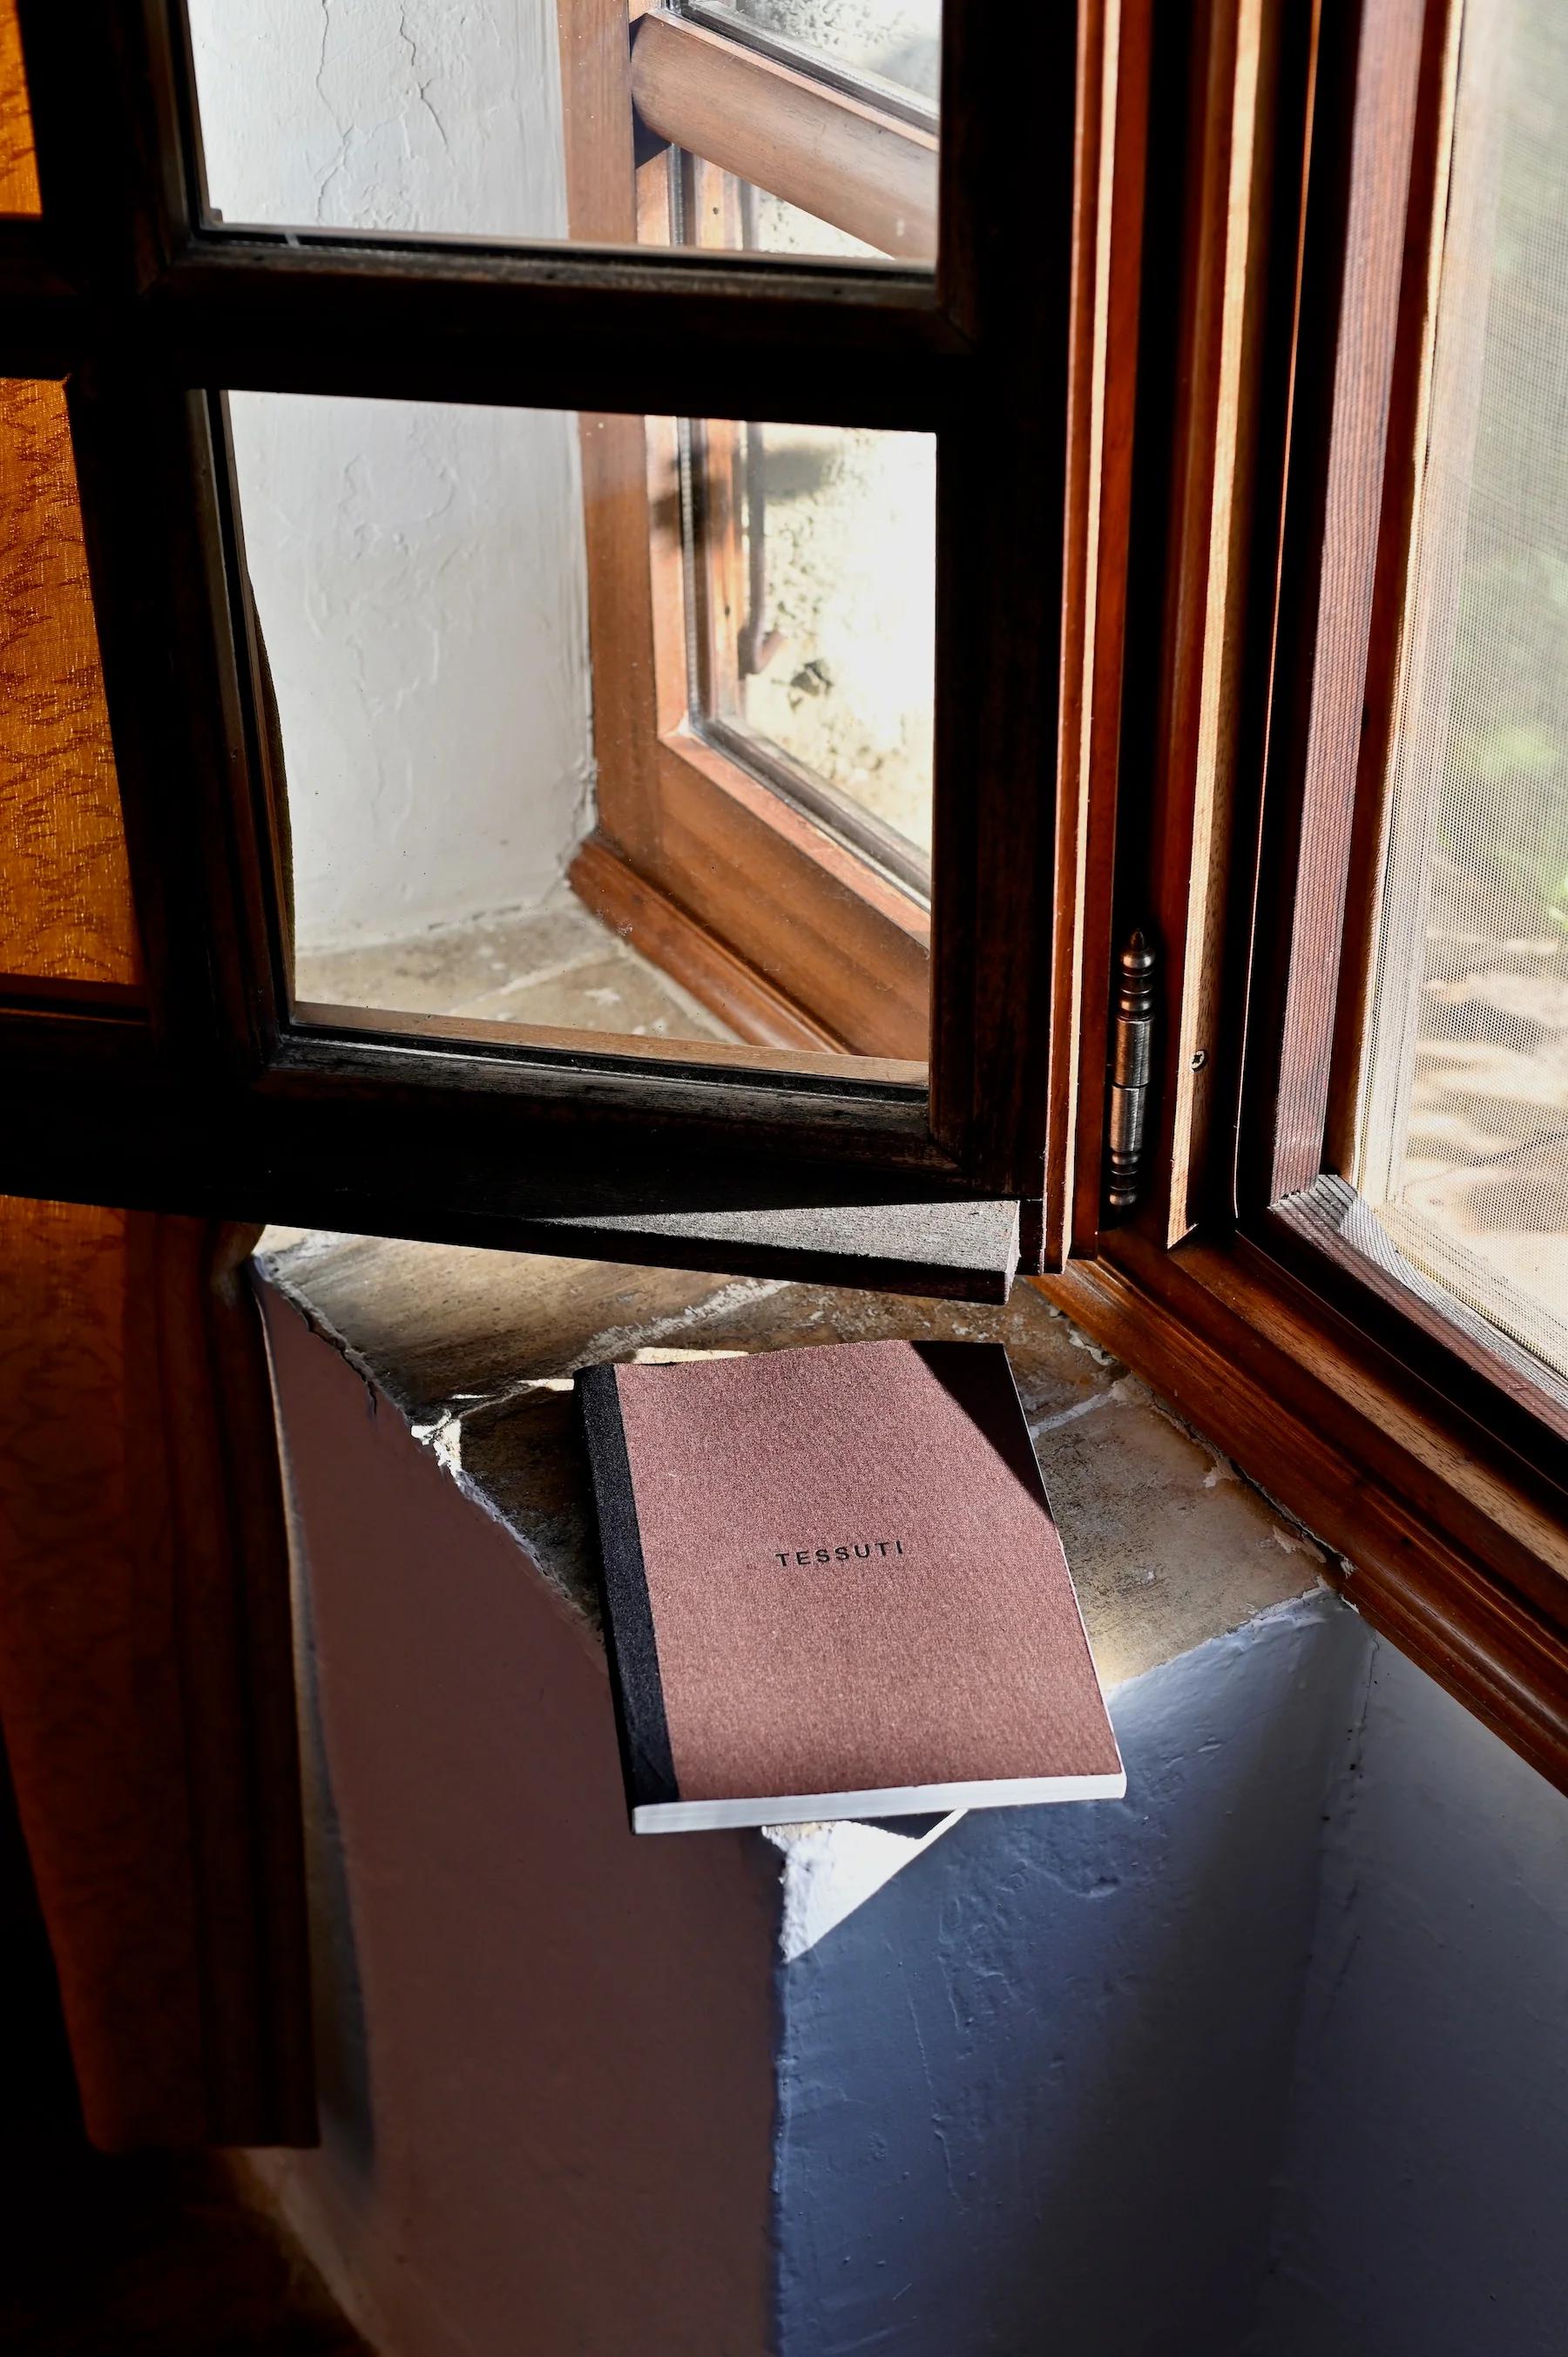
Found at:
[961, 1659]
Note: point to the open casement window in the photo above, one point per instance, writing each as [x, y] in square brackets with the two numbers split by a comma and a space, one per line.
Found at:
[575, 504]
[1342, 812]
[634, 631]
[532, 559]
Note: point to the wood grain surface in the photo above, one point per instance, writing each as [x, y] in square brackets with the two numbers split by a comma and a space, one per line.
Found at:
[18, 166]
[145, 1679]
[65, 888]
[836, 159]
[1441, 1540]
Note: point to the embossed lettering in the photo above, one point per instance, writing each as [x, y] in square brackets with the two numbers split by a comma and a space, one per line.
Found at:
[840, 1551]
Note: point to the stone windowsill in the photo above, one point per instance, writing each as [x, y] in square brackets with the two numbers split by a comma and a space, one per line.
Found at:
[475, 1351]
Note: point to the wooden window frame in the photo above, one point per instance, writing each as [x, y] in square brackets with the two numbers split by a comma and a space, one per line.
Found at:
[866, 171]
[219, 1099]
[771, 918]
[1285, 315]
[1243, 412]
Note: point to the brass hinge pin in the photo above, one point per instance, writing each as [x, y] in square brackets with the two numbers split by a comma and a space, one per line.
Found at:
[1131, 1069]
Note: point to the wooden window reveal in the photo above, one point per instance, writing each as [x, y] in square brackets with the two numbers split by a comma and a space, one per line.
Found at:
[765, 915]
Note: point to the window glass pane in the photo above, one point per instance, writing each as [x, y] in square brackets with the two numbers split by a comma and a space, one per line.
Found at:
[547, 119]
[1465, 1132]
[828, 667]
[776, 227]
[498, 810]
[715, 209]
[64, 889]
[897, 41]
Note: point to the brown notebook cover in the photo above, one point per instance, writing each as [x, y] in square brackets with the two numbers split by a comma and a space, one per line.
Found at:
[834, 1588]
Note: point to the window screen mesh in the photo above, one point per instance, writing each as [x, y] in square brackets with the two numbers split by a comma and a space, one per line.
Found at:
[1465, 1117]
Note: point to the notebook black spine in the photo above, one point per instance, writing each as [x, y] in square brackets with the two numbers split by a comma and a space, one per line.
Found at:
[641, 1727]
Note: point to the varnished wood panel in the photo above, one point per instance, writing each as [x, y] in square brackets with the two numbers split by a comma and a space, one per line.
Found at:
[65, 890]
[1110, 131]
[145, 1681]
[1240, 138]
[834, 158]
[1444, 1542]
[89, 1684]
[1009, 77]
[690, 954]
[816, 922]
[1082, 1137]
[18, 165]
[594, 40]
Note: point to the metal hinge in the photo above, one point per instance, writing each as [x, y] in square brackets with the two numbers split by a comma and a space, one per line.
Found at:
[1130, 1067]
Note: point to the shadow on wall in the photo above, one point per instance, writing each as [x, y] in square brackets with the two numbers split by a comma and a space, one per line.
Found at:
[342, 2038]
[1034, 2096]
[1419, 2203]
[1267, 2059]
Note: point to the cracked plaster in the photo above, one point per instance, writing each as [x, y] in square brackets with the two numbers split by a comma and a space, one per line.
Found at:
[419, 568]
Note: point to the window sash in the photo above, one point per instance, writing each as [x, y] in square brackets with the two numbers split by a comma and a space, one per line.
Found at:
[146, 310]
[1284, 300]
[696, 851]
[1332, 722]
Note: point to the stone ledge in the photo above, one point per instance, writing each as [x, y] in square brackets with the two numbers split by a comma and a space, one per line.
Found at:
[476, 1350]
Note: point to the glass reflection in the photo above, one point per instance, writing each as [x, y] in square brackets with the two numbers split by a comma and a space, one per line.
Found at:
[468, 766]
[517, 119]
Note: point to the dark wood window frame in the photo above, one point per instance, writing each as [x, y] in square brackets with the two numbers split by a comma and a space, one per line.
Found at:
[219, 1097]
[1172, 641]
[1284, 312]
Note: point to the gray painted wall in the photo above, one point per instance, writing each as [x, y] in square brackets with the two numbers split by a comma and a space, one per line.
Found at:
[1033, 2096]
[1422, 2206]
[1268, 2058]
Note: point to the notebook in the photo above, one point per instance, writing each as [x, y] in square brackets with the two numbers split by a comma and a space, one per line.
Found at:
[834, 1588]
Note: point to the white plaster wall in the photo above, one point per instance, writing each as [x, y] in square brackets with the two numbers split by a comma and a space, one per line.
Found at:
[366, 114]
[545, 2049]
[419, 568]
